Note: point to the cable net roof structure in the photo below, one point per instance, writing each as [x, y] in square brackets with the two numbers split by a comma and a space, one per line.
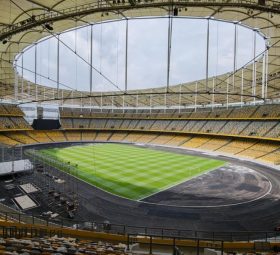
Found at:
[24, 22]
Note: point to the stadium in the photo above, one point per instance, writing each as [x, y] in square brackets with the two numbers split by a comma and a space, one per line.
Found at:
[139, 127]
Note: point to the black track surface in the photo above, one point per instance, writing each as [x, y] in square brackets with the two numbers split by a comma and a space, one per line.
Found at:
[254, 188]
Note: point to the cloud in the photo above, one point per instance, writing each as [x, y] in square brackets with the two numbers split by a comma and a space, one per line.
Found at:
[147, 53]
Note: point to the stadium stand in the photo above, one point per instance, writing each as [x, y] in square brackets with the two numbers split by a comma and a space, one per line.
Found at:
[20, 137]
[58, 245]
[39, 136]
[274, 132]
[20, 123]
[146, 138]
[67, 123]
[234, 127]
[13, 110]
[163, 139]
[225, 130]
[259, 128]
[118, 136]
[224, 124]
[81, 123]
[273, 157]
[237, 146]
[73, 136]
[178, 140]
[56, 136]
[215, 143]
[257, 112]
[88, 135]
[6, 141]
[6, 123]
[195, 142]
[133, 137]
[258, 150]
[237, 115]
[101, 136]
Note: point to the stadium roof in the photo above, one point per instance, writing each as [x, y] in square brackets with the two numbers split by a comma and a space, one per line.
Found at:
[23, 22]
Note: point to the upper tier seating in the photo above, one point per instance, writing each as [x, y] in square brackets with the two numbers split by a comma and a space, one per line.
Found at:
[262, 111]
[20, 123]
[13, 110]
[264, 128]
[11, 117]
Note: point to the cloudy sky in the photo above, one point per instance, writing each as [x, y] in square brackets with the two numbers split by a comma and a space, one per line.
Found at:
[147, 53]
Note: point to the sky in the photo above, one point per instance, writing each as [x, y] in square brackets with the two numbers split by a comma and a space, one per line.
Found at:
[147, 54]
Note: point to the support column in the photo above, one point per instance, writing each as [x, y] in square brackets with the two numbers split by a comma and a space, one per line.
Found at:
[90, 71]
[207, 54]
[227, 91]
[263, 75]
[16, 81]
[242, 87]
[234, 56]
[22, 80]
[35, 79]
[195, 97]
[61, 101]
[254, 69]
[101, 102]
[213, 93]
[169, 42]
[180, 98]
[72, 95]
[126, 55]
[137, 101]
[123, 103]
[266, 70]
[150, 103]
[57, 67]
[28, 89]
[165, 106]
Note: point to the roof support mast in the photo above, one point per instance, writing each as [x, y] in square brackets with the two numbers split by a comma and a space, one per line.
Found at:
[35, 78]
[263, 74]
[57, 74]
[242, 86]
[266, 69]
[207, 53]
[169, 42]
[126, 54]
[22, 80]
[16, 83]
[254, 67]
[234, 56]
[90, 73]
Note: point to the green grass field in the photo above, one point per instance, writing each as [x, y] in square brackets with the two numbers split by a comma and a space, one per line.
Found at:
[130, 171]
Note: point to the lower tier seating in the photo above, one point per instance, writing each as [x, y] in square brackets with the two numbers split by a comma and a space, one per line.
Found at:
[58, 245]
[262, 150]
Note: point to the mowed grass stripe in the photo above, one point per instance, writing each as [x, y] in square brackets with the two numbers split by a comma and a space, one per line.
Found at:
[131, 171]
[115, 171]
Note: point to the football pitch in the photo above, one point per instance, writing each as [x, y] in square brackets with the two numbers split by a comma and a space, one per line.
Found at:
[129, 171]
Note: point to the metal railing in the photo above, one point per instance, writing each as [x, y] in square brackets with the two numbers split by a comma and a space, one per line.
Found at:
[122, 229]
